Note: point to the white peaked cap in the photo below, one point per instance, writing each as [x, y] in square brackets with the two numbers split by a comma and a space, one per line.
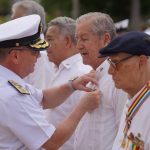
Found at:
[23, 31]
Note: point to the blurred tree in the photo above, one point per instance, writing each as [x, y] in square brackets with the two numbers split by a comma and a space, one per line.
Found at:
[75, 8]
[135, 15]
[118, 9]
[56, 8]
[5, 7]
[4, 10]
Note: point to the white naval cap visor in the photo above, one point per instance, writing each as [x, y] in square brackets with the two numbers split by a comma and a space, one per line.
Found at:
[23, 31]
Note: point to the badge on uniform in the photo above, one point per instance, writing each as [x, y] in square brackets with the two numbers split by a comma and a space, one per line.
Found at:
[137, 143]
[18, 87]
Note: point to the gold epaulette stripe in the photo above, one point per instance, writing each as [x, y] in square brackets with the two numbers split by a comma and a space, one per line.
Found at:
[18, 87]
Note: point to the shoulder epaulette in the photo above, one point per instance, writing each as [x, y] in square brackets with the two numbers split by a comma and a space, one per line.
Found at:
[18, 87]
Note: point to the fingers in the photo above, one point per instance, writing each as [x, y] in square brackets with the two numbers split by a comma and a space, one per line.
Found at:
[81, 82]
[92, 79]
[86, 89]
[91, 100]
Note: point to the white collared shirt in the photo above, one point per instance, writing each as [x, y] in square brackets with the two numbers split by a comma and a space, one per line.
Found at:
[69, 68]
[140, 125]
[23, 125]
[97, 130]
[42, 72]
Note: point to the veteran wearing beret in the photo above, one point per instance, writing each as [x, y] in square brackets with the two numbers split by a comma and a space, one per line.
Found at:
[129, 59]
[22, 122]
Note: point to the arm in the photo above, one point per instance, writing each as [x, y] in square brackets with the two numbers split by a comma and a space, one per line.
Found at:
[55, 96]
[89, 102]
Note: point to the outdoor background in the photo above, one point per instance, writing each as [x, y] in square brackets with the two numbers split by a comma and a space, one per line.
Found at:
[137, 11]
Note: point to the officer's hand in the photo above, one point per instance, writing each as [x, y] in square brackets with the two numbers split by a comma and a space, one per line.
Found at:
[81, 82]
[90, 100]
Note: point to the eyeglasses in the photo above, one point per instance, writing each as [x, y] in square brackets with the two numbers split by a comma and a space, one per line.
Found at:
[114, 64]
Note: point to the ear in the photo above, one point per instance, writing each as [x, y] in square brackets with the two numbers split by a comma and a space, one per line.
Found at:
[143, 60]
[14, 55]
[107, 38]
[68, 41]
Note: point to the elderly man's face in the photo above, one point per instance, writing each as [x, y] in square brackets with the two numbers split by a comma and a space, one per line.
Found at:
[124, 69]
[57, 51]
[89, 44]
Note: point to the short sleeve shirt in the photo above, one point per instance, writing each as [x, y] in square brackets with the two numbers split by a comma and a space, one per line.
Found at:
[68, 69]
[97, 130]
[22, 122]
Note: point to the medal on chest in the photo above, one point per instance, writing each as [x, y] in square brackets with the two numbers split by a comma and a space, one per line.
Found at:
[137, 143]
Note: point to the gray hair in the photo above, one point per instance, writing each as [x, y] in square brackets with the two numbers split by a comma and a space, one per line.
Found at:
[100, 23]
[66, 25]
[32, 7]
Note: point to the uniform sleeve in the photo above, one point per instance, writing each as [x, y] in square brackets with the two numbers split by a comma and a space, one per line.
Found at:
[27, 121]
[37, 93]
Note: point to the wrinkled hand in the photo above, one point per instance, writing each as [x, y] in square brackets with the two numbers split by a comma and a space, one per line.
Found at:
[91, 100]
[81, 82]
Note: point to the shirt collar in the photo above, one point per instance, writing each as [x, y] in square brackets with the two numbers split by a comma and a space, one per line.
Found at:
[67, 63]
[102, 69]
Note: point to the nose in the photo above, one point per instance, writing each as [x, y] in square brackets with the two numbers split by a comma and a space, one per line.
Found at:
[79, 44]
[48, 49]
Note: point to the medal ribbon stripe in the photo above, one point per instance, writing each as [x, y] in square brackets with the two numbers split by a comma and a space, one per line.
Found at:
[138, 102]
[133, 109]
[134, 147]
[139, 96]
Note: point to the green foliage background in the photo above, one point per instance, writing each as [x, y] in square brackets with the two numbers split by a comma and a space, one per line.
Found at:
[118, 9]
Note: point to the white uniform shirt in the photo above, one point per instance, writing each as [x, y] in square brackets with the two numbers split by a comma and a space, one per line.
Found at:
[68, 69]
[140, 125]
[97, 130]
[42, 72]
[22, 122]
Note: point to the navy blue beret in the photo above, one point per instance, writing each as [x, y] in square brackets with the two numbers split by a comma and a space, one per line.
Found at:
[134, 43]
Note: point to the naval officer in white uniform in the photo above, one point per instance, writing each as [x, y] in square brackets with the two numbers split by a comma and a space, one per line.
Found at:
[23, 125]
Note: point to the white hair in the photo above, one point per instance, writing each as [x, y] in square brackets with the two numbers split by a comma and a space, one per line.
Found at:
[100, 23]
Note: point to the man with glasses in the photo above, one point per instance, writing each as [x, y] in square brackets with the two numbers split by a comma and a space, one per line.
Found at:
[22, 121]
[129, 59]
